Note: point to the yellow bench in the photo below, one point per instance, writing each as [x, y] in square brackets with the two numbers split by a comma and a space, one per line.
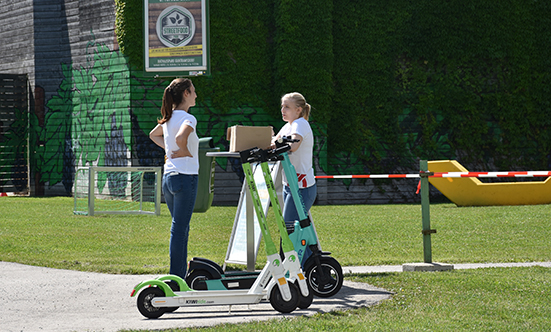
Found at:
[473, 192]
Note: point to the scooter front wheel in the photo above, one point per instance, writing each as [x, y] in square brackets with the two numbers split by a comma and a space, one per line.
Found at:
[325, 280]
[305, 301]
[144, 302]
[279, 304]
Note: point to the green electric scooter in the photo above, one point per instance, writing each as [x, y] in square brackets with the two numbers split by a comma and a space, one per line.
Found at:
[325, 272]
[291, 260]
[282, 283]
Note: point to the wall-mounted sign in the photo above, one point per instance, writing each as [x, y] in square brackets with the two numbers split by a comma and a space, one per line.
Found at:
[176, 34]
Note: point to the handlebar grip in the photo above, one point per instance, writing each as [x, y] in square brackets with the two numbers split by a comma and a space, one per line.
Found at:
[282, 149]
[287, 139]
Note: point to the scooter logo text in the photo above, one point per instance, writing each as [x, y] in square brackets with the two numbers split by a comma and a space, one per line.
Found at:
[200, 301]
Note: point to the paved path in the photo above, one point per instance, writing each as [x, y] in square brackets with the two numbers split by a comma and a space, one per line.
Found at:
[43, 299]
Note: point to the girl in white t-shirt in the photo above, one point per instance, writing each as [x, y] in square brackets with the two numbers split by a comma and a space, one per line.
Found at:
[295, 111]
[176, 134]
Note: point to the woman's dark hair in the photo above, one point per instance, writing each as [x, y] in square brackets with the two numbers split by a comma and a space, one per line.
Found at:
[173, 96]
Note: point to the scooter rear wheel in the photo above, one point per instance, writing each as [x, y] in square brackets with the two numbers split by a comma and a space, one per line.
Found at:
[196, 280]
[279, 304]
[329, 282]
[144, 302]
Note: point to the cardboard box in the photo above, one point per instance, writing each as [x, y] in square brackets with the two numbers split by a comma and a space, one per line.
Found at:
[246, 137]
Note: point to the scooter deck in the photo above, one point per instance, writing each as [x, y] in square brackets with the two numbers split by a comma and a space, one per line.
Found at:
[232, 281]
[201, 298]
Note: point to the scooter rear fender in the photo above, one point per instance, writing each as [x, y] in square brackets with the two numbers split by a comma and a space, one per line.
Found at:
[153, 283]
[203, 265]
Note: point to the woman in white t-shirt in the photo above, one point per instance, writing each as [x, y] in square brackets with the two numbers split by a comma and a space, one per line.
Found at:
[295, 111]
[176, 134]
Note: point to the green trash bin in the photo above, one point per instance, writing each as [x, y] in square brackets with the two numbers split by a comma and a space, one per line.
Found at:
[205, 188]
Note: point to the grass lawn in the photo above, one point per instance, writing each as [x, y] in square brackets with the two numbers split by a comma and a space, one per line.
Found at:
[44, 232]
[496, 299]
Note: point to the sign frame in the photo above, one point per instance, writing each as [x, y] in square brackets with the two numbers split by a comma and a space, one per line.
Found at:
[240, 251]
[176, 38]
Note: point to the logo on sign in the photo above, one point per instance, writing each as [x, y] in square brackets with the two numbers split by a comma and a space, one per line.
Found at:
[175, 26]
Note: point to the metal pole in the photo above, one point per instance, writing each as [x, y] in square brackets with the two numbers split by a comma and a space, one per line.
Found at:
[141, 189]
[158, 190]
[249, 212]
[425, 210]
[91, 190]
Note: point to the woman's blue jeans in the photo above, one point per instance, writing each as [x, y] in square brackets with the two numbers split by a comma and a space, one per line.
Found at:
[290, 214]
[180, 191]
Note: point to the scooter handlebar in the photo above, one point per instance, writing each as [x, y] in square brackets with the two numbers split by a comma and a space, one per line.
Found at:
[262, 155]
[286, 139]
[281, 149]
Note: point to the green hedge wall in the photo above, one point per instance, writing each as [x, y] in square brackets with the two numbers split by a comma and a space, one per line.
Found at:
[241, 56]
[304, 52]
[481, 66]
[442, 80]
[366, 111]
[394, 81]
[129, 30]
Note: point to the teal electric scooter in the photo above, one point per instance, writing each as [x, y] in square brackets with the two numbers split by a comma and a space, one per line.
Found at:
[323, 273]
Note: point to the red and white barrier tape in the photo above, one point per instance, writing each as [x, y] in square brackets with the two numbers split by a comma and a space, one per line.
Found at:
[443, 175]
[368, 176]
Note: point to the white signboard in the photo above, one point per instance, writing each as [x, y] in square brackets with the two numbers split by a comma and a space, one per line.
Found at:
[237, 248]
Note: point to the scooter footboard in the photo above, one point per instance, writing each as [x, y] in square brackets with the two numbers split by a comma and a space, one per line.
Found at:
[212, 298]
